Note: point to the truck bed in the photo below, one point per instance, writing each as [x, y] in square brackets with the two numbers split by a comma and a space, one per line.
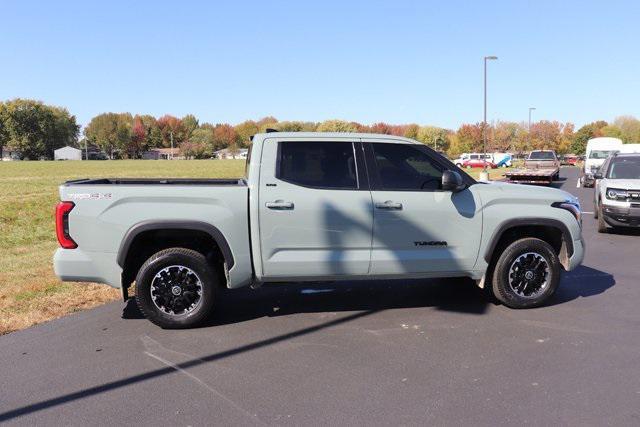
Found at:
[532, 176]
[158, 181]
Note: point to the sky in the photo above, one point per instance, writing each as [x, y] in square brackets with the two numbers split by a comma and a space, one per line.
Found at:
[370, 61]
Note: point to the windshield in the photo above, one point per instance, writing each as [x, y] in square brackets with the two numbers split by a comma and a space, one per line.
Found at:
[600, 154]
[625, 168]
[542, 155]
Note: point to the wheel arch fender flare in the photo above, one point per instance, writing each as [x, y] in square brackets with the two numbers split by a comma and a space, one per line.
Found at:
[518, 222]
[150, 225]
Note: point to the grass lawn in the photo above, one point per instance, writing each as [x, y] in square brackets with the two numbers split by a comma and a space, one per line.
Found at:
[29, 291]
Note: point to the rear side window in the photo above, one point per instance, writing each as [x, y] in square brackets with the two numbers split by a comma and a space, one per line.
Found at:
[318, 164]
[406, 167]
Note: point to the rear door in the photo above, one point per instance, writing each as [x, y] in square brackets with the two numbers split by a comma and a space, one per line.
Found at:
[315, 208]
[417, 227]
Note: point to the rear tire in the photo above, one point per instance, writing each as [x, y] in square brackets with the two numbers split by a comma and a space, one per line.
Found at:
[526, 274]
[175, 288]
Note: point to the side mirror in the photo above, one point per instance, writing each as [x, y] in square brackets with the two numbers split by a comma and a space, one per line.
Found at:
[597, 175]
[452, 181]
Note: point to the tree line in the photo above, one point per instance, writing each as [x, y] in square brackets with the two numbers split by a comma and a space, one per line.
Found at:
[35, 130]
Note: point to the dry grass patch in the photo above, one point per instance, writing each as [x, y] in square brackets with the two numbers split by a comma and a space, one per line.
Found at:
[29, 291]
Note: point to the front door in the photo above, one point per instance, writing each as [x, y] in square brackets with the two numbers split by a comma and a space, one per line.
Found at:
[316, 214]
[418, 228]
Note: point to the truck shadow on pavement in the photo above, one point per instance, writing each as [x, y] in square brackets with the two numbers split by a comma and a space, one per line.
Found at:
[455, 295]
[582, 282]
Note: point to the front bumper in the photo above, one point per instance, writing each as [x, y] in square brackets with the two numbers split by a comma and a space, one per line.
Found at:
[578, 254]
[621, 216]
[76, 265]
[588, 180]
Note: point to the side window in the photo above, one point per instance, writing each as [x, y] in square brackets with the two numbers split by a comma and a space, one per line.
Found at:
[406, 167]
[318, 164]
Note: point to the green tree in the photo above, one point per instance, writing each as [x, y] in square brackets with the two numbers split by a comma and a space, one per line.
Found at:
[189, 123]
[434, 137]
[295, 126]
[201, 143]
[112, 132]
[629, 129]
[585, 133]
[36, 129]
[337, 126]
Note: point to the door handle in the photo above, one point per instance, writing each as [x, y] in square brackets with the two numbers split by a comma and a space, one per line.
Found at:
[389, 205]
[279, 205]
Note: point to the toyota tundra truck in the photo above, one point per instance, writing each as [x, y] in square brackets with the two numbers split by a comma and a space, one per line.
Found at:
[314, 207]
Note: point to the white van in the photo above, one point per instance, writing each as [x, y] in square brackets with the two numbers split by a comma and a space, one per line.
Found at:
[630, 149]
[598, 149]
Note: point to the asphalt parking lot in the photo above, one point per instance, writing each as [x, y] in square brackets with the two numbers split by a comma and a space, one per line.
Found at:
[415, 352]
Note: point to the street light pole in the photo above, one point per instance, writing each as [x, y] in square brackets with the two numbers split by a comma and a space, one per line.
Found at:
[529, 127]
[484, 122]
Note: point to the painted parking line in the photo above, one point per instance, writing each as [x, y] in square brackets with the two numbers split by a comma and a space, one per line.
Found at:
[590, 213]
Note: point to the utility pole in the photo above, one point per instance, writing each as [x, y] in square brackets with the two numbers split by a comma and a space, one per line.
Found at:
[171, 154]
[529, 127]
[484, 121]
[86, 152]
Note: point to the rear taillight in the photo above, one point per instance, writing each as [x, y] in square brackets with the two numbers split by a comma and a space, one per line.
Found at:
[62, 225]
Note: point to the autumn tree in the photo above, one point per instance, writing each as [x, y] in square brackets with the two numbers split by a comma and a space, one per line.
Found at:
[224, 136]
[381, 128]
[171, 128]
[266, 123]
[469, 137]
[411, 131]
[245, 130]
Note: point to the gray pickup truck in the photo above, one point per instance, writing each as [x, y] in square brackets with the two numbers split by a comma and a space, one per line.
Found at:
[315, 207]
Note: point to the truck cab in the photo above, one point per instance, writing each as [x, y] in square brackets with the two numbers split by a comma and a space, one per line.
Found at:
[315, 207]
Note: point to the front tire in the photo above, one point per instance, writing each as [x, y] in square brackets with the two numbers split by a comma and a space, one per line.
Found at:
[602, 225]
[526, 274]
[175, 288]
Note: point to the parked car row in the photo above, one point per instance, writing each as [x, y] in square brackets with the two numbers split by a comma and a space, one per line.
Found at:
[480, 160]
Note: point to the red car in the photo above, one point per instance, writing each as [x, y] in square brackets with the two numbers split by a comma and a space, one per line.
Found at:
[478, 163]
[569, 159]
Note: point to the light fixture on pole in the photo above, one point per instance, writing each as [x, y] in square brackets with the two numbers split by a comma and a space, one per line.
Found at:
[484, 122]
